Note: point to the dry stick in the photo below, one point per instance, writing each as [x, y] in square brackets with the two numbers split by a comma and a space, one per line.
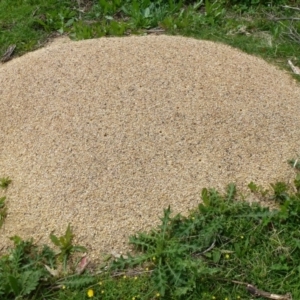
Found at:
[290, 7]
[259, 293]
[210, 248]
[154, 30]
[132, 273]
[279, 19]
[296, 70]
[129, 273]
[195, 254]
[34, 12]
[294, 35]
[273, 18]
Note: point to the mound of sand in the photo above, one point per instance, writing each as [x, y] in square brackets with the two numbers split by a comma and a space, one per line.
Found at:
[105, 133]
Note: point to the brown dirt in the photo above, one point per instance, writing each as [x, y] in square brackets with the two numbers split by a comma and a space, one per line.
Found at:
[106, 133]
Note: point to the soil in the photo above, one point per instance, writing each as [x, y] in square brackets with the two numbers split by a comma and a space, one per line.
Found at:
[104, 134]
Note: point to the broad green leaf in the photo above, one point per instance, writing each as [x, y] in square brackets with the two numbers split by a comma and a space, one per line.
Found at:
[68, 234]
[55, 240]
[16, 239]
[205, 197]
[147, 12]
[30, 281]
[2, 201]
[231, 191]
[253, 187]
[216, 256]
[15, 285]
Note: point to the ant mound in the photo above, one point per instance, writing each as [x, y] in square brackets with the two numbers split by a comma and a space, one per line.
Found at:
[104, 134]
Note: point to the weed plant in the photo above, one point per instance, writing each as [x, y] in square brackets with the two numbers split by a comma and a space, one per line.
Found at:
[4, 183]
[64, 243]
[224, 248]
[3, 210]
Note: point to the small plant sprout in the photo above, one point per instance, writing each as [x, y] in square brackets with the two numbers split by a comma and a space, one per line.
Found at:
[295, 163]
[4, 182]
[3, 210]
[64, 243]
[225, 247]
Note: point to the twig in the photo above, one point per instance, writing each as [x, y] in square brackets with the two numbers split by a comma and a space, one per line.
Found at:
[293, 35]
[290, 7]
[296, 71]
[34, 12]
[207, 250]
[256, 292]
[155, 30]
[259, 293]
[273, 18]
[131, 273]
[279, 19]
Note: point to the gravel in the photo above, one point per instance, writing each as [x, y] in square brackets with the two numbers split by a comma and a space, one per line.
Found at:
[103, 134]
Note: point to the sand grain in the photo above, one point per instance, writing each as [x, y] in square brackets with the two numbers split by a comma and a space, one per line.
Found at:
[106, 133]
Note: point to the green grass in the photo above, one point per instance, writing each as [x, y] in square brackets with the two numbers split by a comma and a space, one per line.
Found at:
[4, 183]
[27, 23]
[254, 29]
[225, 243]
[222, 247]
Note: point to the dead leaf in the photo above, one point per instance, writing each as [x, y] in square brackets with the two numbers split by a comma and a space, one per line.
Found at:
[118, 255]
[52, 271]
[82, 264]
